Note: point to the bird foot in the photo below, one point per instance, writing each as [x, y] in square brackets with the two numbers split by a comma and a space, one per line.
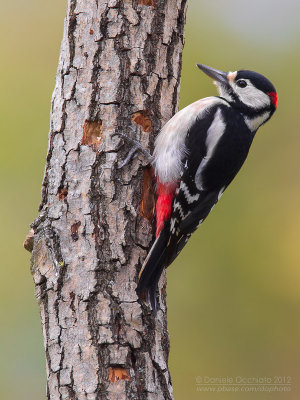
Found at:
[132, 153]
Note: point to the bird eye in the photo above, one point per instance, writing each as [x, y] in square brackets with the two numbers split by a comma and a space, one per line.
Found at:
[241, 83]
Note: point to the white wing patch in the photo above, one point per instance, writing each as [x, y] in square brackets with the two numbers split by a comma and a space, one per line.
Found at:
[214, 134]
[170, 146]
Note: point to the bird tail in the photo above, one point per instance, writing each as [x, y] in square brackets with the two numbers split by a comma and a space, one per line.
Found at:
[152, 269]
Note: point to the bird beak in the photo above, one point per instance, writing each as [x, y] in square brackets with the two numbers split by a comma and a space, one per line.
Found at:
[215, 74]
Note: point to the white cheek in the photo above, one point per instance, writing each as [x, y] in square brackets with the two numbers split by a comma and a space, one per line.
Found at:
[252, 97]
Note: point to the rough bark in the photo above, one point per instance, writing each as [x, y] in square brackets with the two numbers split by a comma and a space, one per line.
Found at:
[119, 67]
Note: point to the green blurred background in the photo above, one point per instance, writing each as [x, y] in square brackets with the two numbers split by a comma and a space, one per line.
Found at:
[233, 294]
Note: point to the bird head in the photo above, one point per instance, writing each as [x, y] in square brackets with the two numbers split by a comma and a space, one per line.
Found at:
[251, 93]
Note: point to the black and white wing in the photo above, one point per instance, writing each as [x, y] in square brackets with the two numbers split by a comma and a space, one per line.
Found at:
[216, 151]
[195, 195]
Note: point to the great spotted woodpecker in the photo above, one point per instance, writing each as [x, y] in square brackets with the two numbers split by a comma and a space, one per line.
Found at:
[197, 154]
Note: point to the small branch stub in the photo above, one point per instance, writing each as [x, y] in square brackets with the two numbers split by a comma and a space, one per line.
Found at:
[28, 242]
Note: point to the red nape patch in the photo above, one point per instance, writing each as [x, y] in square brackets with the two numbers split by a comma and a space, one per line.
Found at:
[274, 98]
[165, 194]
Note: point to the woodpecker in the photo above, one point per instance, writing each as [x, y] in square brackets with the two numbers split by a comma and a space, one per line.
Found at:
[197, 154]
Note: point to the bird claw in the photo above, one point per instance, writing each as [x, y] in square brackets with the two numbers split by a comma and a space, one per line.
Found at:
[136, 147]
[130, 155]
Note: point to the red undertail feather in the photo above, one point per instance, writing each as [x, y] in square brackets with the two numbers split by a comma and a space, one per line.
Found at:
[165, 194]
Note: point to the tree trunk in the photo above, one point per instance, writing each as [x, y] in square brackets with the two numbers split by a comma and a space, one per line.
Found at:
[119, 67]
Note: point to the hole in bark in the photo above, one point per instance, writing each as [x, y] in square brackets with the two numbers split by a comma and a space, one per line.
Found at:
[146, 2]
[91, 31]
[92, 133]
[142, 118]
[62, 193]
[118, 374]
[147, 202]
[74, 230]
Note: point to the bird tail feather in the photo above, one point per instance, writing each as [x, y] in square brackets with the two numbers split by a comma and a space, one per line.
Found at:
[152, 269]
